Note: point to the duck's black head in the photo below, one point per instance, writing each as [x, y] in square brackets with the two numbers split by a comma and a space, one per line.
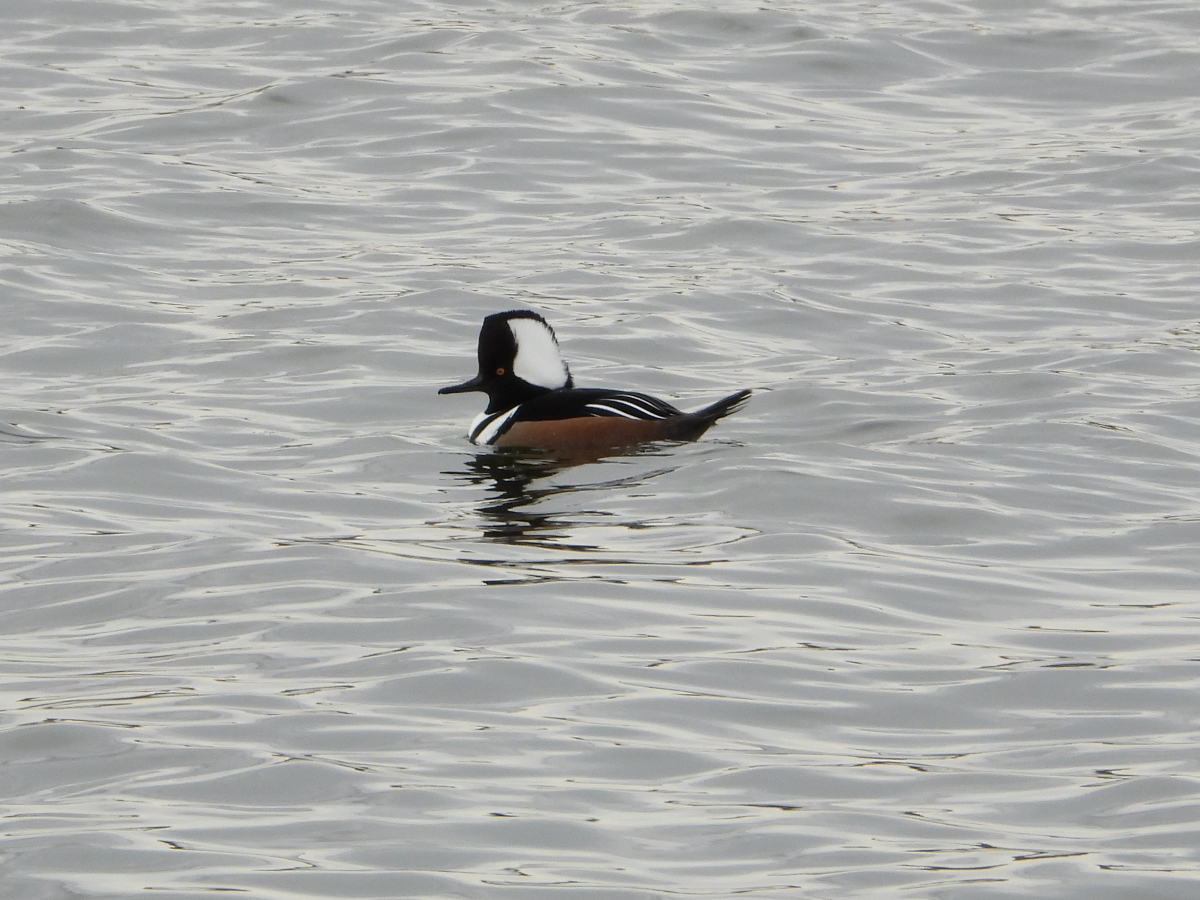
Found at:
[518, 360]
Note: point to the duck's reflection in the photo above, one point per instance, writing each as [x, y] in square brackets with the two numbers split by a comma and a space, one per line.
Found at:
[513, 480]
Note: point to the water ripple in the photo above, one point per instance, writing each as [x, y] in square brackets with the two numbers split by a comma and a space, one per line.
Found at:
[921, 618]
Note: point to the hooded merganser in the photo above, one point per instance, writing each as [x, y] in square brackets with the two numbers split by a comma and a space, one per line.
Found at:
[533, 401]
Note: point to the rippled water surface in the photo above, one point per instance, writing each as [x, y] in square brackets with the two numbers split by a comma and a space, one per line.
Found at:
[922, 621]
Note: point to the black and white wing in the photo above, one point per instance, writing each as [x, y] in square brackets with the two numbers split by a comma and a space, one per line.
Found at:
[629, 405]
[574, 403]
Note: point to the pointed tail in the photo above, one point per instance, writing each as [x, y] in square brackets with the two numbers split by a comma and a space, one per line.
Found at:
[690, 426]
[724, 407]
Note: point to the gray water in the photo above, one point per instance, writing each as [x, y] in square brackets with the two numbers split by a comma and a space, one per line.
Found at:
[922, 621]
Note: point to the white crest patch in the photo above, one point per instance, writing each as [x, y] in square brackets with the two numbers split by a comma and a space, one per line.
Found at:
[538, 360]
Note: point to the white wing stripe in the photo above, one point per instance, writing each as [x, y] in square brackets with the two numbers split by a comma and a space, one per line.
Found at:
[647, 405]
[631, 407]
[615, 412]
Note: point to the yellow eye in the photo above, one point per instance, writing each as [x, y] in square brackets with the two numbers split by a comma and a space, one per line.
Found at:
[500, 371]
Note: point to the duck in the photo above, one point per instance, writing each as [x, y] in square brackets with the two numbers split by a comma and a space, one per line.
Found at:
[533, 402]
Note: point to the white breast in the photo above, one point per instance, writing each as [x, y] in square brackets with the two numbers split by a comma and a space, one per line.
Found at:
[486, 427]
